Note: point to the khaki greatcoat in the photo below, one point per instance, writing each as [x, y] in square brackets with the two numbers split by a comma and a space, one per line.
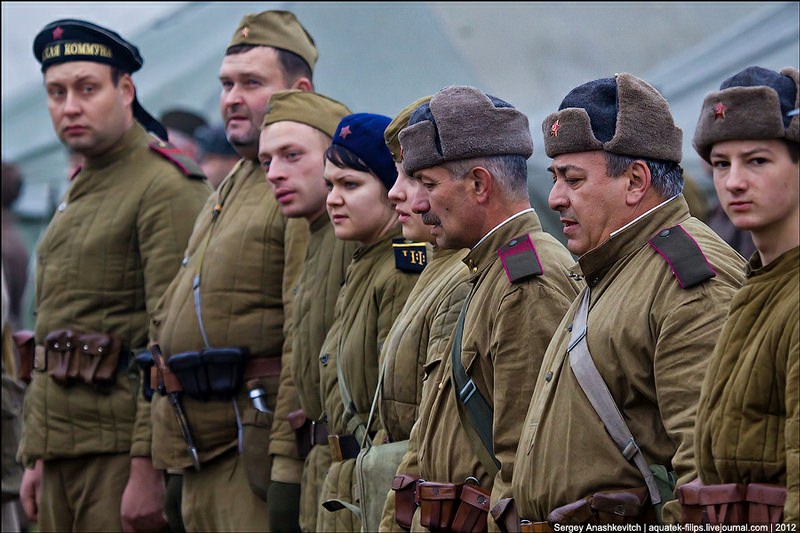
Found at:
[650, 340]
[506, 331]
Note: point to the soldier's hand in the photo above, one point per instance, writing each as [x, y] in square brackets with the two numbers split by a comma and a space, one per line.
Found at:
[142, 507]
[29, 493]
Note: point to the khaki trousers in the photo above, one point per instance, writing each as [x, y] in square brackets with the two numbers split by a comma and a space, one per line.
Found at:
[84, 493]
[338, 484]
[219, 498]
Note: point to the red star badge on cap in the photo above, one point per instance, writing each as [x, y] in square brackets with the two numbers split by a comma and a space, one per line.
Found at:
[245, 32]
[554, 129]
[719, 110]
[345, 132]
[58, 32]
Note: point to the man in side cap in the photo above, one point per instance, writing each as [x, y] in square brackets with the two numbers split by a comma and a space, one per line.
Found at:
[748, 132]
[658, 284]
[469, 152]
[108, 254]
[224, 311]
[298, 127]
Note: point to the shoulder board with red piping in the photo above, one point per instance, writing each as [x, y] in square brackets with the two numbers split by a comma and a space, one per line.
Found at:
[177, 158]
[520, 259]
[683, 255]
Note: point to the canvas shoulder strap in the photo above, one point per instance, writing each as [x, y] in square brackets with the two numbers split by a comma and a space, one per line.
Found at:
[474, 412]
[600, 397]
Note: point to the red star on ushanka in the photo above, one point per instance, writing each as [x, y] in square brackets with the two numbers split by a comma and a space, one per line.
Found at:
[719, 110]
[58, 32]
[345, 132]
[554, 129]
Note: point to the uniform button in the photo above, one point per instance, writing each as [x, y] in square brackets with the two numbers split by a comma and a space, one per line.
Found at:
[664, 233]
[62, 206]
[185, 261]
[548, 376]
[324, 359]
[441, 385]
[513, 243]
[474, 269]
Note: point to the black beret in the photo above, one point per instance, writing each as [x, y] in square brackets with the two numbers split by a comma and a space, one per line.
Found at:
[78, 40]
[183, 121]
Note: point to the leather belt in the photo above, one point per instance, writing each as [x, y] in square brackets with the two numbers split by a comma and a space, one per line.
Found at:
[526, 526]
[262, 367]
[319, 432]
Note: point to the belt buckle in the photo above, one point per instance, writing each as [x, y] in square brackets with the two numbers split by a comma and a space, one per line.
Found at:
[313, 433]
[336, 448]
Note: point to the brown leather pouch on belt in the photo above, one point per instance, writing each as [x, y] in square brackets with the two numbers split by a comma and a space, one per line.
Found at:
[437, 504]
[472, 510]
[405, 499]
[577, 512]
[62, 364]
[712, 504]
[505, 515]
[623, 506]
[99, 355]
[765, 503]
[25, 342]
[301, 426]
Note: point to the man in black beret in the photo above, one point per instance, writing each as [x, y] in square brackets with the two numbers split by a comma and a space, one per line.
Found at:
[181, 125]
[748, 132]
[658, 283]
[111, 249]
[215, 154]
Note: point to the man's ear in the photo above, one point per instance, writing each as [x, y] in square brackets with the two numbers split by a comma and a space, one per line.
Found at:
[303, 84]
[127, 88]
[639, 181]
[481, 183]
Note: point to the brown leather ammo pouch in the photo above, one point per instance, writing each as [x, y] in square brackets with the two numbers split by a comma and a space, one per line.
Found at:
[712, 504]
[765, 503]
[437, 504]
[25, 342]
[608, 507]
[405, 499]
[505, 515]
[98, 358]
[62, 362]
[472, 510]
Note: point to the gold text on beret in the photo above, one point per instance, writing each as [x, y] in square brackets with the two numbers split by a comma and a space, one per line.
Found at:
[76, 49]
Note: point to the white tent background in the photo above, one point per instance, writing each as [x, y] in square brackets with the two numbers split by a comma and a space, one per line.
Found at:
[380, 56]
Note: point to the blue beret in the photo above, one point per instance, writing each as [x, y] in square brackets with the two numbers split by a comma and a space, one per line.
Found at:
[362, 134]
[79, 40]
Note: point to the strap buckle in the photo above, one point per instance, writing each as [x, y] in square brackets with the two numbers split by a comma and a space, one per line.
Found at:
[467, 391]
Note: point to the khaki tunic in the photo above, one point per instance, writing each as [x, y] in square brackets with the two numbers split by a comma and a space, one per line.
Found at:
[108, 254]
[241, 303]
[748, 420]
[417, 341]
[650, 340]
[506, 330]
[370, 300]
[313, 301]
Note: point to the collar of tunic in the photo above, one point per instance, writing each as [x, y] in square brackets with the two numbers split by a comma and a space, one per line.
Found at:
[484, 254]
[595, 263]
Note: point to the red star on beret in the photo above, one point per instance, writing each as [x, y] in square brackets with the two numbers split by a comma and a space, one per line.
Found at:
[554, 129]
[58, 32]
[719, 110]
[345, 132]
